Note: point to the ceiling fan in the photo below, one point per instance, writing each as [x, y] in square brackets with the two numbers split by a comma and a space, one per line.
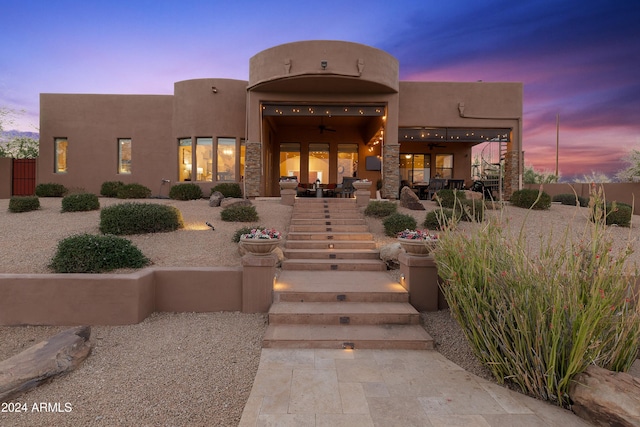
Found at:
[323, 128]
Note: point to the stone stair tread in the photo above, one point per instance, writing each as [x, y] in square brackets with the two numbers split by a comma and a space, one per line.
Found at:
[336, 282]
[324, 244]
[337, 264]
[337, 235]
[335, 336]
[341, 308]
[330, 251]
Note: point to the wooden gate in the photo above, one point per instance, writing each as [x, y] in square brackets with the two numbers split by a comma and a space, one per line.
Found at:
[24, 177]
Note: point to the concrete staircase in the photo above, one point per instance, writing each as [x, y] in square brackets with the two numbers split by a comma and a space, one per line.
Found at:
[333, 290]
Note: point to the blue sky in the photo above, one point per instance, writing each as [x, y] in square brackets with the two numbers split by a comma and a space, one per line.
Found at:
[578, 59]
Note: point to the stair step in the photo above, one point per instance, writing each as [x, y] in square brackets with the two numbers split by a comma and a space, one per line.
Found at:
[331, 221]
[410, 337]
[328, 228]
[337, 235]
[334, 264]
[326, 253]
[335, 313]
[326, 244]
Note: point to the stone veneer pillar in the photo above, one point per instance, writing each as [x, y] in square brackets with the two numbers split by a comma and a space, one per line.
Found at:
[252, 169]
[390, 171]
[511, 173]
[258, 273]
[419, 276]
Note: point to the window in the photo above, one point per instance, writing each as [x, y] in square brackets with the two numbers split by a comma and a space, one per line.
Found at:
[61, 145]
[226, 166]
[185, 166]
[204, 159]
[319, 163]
[347, 160]
[124, 155]
[444, 166]
[290, 159]
[415, 167]
[243, 154]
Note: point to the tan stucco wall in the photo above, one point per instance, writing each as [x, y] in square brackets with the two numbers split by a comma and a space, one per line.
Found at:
[6, 164]
[627, 192]
[93, 124]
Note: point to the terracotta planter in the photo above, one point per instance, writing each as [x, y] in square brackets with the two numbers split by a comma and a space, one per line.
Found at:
[417, 246]
[259, 247]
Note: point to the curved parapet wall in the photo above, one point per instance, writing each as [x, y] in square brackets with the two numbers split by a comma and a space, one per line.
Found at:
[209, 107]
[351, 67]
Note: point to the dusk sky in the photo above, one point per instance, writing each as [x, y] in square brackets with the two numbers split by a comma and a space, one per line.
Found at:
[578, 59]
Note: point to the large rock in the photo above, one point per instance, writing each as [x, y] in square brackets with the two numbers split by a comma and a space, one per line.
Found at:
[605, 397]
[228, 201]
[409, 200]
[389, 254]
[42, 362]
[215, 199]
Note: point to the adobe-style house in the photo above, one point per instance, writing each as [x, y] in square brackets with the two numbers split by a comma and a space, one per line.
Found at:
[317, 110]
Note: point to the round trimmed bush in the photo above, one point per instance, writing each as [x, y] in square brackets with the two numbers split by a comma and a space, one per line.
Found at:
[24, 203]
[80, 203]
[526, 198]
[380, 208]
[86, 253]
[571, 200]
[133, 191]
[473, 210]
[187, 191]
[447, 198]
[228, 189]
[110, 188]
[616, 214]
[238, 213]
[438, 219]
[50, 189]
[139, 218]
[397, 222]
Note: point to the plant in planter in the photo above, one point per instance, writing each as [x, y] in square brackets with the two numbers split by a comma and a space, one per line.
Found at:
[417, 242]
[260, 241]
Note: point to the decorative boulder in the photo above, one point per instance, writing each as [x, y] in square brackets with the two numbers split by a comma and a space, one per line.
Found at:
[228, 201]
[389, 254]
[473, 195]
[409, 200]
[215, 199]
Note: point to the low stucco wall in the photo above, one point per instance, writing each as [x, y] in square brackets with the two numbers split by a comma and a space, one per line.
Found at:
[6, 167]
[625, 192]
[116, 299]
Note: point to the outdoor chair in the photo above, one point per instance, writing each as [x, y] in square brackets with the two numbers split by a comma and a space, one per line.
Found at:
[347, 188]
[435, 185]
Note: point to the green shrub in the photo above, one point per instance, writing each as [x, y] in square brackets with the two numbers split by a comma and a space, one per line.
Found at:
[238, 213]
[110, 188]
[473, 210]
[244, 230]
[531, 199]
[537, 321]
[228, 189]
[133, 191]
[615, 213]
[80, 202]
[380, 208]
[139, 218]
[86, 253]
[397, 222]
[24, 203]
[447, 198]
[187, 191]
[439, 219]
[50, 189]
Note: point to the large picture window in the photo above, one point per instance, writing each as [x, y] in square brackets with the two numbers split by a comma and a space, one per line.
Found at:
[290, 159]
[319, 163]
[226, 166]
[124, 155]
[185, 165]
[347, 160]
[204, 159]
[61, 146]
[444, 166]
[415, 168]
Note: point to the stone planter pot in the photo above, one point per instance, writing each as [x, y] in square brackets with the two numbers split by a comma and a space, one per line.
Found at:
[417, 247]
[260, 247]
[288, 185]
[362, 185]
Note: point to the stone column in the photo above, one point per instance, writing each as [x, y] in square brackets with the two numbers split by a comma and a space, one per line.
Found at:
[258, 273]
[252, 169]
[288, 192]
[390, 171]
[362, 193]
[419, 276]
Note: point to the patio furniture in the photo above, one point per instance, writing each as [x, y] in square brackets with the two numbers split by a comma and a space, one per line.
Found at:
[346, 189]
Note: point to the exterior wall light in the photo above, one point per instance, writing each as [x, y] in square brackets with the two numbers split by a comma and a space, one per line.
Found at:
[323, 64]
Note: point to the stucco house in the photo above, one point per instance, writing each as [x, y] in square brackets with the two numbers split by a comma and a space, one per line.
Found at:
[316, 110]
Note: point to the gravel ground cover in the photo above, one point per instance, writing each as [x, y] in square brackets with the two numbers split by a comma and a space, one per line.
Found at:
[192, 369]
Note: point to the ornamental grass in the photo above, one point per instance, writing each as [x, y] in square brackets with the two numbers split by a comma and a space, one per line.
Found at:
[536, 320]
